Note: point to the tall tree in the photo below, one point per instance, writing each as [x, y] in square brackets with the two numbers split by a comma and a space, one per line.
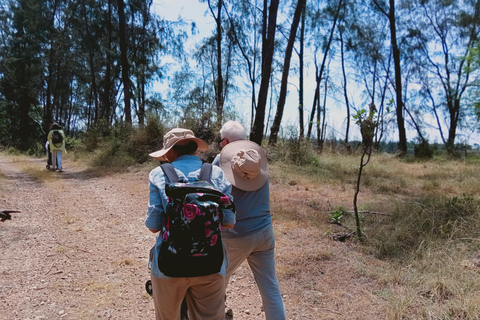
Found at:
[23, 28]
[286, 68]
[345, 91]
[390, 14]
[244, 26]
[268, 46]
[219, 98]
[301, 83]
[124, 61]
[444, 34]
[334, 11]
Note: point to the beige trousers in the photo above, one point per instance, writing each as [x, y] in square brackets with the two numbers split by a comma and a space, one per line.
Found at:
[205, 297]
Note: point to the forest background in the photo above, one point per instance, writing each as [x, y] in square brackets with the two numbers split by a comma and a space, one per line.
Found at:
[407, 68]
[98, 64]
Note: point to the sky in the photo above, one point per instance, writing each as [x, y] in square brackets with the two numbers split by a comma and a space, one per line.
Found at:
[193, 10]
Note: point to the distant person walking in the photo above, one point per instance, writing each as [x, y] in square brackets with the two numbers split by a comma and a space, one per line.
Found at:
[245, 165]
[56, 141]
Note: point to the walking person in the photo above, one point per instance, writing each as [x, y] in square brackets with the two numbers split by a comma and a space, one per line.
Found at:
[245, 165]
[204, 293]
[56, 141]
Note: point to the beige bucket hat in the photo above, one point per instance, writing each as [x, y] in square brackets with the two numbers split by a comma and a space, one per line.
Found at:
[245, 165]
[177, 136]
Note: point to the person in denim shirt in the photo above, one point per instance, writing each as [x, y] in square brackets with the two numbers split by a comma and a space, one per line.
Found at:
[205, 295]
[245, 165]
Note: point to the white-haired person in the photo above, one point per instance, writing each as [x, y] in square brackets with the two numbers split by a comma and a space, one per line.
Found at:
[205, 293]
[245, 165]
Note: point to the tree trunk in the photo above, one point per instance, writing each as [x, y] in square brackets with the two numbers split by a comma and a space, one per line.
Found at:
[345, 93]
[402, 142]
[107, 86]
[268, 47]
[91, 65]
[316, 97]
[219, 95]
[286, 68]
[124, 61]
[319, 75]
[301, 80]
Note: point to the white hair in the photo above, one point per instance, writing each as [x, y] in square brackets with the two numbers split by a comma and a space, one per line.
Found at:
[233, 131]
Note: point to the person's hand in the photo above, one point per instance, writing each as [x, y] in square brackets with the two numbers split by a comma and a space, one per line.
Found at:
[227, 226]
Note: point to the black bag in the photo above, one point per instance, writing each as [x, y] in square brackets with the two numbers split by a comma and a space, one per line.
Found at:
[57, 138]
[191, 235]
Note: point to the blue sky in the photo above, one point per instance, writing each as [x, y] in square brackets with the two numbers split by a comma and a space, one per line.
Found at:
[336, 119]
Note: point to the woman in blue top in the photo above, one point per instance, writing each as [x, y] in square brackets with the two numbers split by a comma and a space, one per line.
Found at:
[205, 295]
[245, 165]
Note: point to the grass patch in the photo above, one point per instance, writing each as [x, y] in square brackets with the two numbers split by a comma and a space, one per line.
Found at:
[420, 217]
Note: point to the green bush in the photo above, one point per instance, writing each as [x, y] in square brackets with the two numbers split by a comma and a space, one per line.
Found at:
[424, 150]
[36, 150]
[147, 139]
[13, 151]
[124, 145]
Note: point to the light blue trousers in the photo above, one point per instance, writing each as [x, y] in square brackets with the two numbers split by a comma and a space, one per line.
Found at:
[57, 159]
[258, 249]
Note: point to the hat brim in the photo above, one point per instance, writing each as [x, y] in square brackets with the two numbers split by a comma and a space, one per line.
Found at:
[159, 155]
[229, 151]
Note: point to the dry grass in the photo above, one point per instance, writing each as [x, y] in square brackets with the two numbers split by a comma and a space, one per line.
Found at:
[425, 227]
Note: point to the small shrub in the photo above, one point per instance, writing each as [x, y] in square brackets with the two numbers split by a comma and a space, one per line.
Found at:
[295, 151]
[424, 150]
[95, 136]
[36, 150]
[13, 151]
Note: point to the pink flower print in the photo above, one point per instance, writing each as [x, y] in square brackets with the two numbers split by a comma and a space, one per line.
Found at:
[225, 200]
[208, 233]
[190, 211]
[197, 255]
[199, 194]
[214, 240]
[165, 236]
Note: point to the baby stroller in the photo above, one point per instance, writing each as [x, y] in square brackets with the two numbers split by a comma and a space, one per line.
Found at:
[49, 155]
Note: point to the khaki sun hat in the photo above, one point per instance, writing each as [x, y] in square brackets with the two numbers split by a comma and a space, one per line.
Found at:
[245, 165]
[177, 136]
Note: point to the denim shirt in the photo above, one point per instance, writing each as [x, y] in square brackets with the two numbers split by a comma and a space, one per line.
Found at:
[186, 166]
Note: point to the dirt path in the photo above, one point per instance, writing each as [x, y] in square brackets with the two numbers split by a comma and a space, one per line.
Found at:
[78, 250]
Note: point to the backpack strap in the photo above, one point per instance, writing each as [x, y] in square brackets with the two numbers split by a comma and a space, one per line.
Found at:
[172, 176]
[170, 172]
[205, 172]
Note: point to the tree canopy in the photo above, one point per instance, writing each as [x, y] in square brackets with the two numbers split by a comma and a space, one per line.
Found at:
[99, 63]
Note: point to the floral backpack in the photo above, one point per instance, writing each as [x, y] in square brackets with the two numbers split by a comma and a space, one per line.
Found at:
[191, 234]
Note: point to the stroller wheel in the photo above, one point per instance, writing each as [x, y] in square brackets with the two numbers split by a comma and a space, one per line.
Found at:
[148, 287]
[48, 167]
